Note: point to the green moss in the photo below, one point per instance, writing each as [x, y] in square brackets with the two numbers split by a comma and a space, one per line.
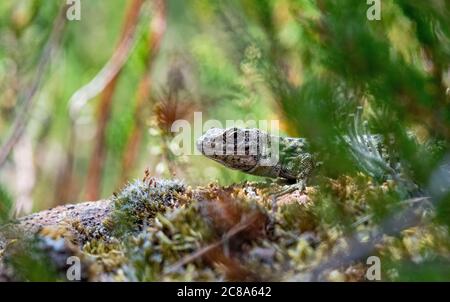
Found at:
[6, 204]
[139, 201]
[155, 225]
[173, 235]
[299, 217]
[31, 259]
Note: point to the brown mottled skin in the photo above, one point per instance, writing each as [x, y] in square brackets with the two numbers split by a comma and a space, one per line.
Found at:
[256, 152]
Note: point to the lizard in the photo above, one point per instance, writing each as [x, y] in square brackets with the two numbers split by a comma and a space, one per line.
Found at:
[252, 151]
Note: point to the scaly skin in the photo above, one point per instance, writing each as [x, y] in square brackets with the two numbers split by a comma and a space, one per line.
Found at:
[252, 151]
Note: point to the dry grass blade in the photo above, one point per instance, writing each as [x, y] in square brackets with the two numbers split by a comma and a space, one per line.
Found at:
[116, 63]
[98, 84]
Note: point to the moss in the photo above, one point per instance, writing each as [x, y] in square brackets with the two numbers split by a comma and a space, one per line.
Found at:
[141, 200]
[302, 235]
[178, 232]
[35, 258]
[174, 234]
[159, 230]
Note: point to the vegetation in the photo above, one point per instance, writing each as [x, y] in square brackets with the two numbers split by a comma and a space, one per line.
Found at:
[86, 106]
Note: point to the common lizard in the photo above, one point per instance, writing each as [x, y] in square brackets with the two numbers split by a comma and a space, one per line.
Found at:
[256, 152]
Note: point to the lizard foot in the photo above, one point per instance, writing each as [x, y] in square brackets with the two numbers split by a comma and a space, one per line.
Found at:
[300, 185]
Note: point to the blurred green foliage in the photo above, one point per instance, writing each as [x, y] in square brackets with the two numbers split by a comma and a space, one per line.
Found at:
[6, 205]
[309, 64]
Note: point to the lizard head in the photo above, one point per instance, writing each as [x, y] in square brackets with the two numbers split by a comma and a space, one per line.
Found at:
[233, 147]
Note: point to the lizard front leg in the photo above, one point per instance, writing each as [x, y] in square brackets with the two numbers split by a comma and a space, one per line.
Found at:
[304, 166]
[300, 185]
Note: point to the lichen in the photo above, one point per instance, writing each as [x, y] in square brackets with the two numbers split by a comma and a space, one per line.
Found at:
[161, 230]
[141, 200]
